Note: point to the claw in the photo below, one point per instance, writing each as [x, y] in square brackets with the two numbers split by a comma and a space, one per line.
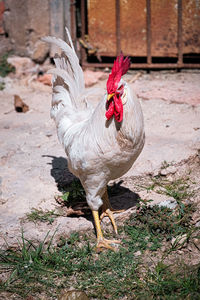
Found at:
[102, 243]
[113, 211]
[106, 244]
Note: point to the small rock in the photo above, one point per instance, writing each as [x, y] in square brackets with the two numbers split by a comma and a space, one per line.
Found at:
[48, 134]
[155, 172]
[73, 295]
[169, 203]
[197, 242]
[45, 79]
[92, 77]
[21, 64]
[20, 106]
[196, 217]
[39, 51]
[197, 224]
[157, 199]
[138, 253]
[168, 170]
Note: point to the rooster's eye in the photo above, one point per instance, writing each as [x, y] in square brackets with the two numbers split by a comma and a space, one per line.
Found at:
[120, 87]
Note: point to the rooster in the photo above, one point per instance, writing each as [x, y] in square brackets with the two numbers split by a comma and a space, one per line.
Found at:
[101, 143]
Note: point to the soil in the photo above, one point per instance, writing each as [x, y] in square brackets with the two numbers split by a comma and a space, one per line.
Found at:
[33, 163]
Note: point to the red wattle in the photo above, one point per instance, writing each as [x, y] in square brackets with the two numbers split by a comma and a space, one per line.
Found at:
[116, 108]
[118, 112]
[110, 111]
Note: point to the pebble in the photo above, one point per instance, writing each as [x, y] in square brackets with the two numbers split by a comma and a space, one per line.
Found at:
[168, 203]
[138, 253]
[168, 170]
[73, 295]
[197, 224]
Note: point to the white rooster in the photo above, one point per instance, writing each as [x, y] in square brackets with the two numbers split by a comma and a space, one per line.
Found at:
[101, 143]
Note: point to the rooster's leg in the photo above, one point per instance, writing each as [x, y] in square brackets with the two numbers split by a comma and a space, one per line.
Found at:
[108, 211]
[101, 241]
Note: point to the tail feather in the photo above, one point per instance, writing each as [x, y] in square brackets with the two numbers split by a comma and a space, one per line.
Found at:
[69, 39]
[68, 81]
[68, 60]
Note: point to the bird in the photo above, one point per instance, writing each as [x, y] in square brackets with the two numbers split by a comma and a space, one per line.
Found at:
[101, 142]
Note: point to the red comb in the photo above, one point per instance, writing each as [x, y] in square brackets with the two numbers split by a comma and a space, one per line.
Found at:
[120, 67]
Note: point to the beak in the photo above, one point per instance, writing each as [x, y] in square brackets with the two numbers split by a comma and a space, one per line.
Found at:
[110, 96]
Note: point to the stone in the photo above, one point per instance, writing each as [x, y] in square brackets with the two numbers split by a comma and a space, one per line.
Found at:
[20, 106]
[197, 224]
[157, 199]
[137, 253]
[92, 77]
[168, 170]
[45, 79]
[21, 64]
[73, 295]
[169, 203]
[40, 51]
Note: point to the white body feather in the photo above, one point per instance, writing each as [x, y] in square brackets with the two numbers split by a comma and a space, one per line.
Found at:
[97, 150]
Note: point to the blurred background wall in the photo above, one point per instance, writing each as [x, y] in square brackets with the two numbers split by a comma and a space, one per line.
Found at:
[150, 31]
[23, 22]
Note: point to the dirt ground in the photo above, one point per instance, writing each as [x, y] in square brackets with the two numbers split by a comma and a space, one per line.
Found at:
[33, 162]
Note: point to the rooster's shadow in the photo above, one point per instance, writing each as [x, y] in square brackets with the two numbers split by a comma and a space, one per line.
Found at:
[121, 197]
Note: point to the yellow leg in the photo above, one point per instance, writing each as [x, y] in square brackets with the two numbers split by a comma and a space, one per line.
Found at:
[108, 211]
[101, 241]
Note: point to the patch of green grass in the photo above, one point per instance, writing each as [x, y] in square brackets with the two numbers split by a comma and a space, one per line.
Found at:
[33, 269]
[110, 275]
[5, 67]
[162, 283]
[178, 189]
[164, 222]
[180, 217]
[38, 215]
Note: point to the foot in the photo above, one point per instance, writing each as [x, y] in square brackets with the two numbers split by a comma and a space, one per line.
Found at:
[114, 211]
[109, 213]
[106, 244]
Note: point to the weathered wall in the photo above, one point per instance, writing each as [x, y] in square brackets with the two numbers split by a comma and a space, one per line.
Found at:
[2, 8]
[164, 27]
[5, 45]
[25, 22]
